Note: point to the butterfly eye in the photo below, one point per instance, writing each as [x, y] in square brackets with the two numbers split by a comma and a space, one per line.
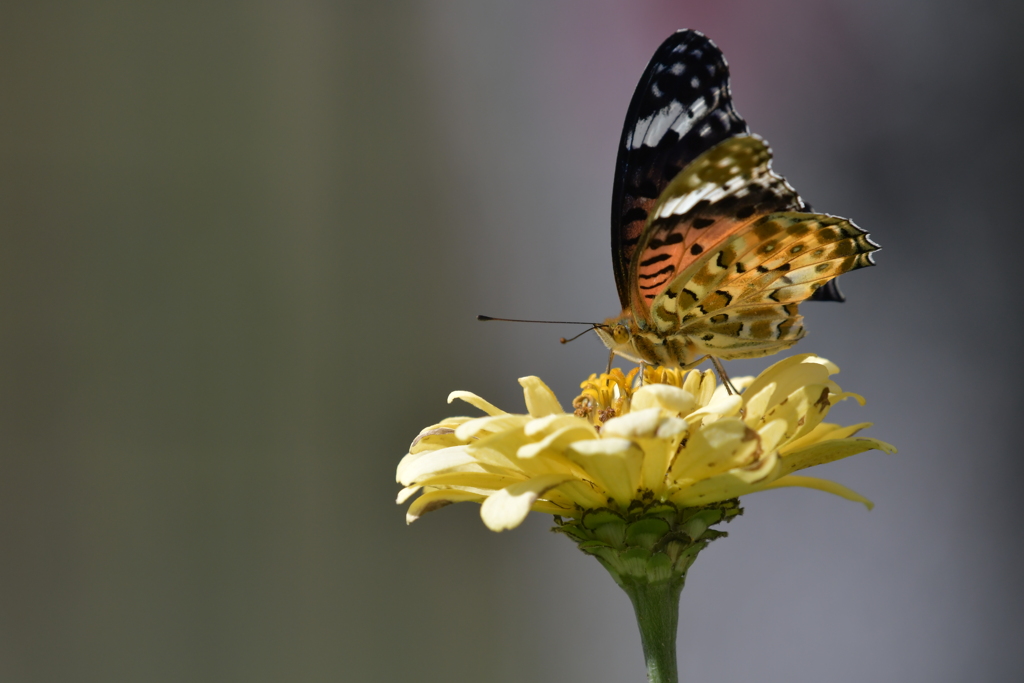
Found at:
[621, 334]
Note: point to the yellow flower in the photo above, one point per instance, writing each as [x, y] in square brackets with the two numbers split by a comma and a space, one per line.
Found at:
[678, 438]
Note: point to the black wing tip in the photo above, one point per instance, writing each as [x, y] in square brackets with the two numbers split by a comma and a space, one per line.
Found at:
[685, 36]
[828, 292]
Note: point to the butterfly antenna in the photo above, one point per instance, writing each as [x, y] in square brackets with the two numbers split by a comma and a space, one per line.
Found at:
[593, 326]
[486, 318]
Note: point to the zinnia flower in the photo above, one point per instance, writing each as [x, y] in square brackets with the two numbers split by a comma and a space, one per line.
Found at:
[639, 472]
[676, 440]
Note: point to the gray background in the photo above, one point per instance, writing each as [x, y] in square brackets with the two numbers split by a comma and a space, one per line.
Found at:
[241, 249]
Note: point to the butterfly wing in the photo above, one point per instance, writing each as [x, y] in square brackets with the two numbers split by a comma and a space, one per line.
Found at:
[716, 196]
[681, 108]
[740, 299]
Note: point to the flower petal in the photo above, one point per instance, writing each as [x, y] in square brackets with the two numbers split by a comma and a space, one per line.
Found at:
[507, 508]
[480, 480]
[415, 466]
[434, 439]
[792, 373]
[701, 385]
[716, 448]
[830, 451]
[664, 396]
[476, 402]
[755, 405]
[823, 432]
[437, 499]
[633, 425]
[556, 441]
[802, 409]
[613, 464]
[819, 484]
[540, 400]
[494, 423]
[552, 423]
[726, 406]
[407, 493]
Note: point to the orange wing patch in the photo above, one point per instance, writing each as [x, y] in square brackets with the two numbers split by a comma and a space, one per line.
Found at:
[718, 195]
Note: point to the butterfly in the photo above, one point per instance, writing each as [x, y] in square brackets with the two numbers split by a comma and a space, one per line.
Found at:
[713, 251]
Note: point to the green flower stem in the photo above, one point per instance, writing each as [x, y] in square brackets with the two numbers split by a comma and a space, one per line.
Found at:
[648, 549]
[657, 614]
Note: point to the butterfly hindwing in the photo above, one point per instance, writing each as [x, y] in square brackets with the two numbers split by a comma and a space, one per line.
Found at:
[681, 108]
[740, 300]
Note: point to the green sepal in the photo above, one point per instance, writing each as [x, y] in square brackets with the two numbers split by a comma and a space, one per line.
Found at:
[646, 532]
[651, 542]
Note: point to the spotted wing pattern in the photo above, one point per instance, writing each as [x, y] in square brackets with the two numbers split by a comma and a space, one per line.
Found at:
[719, 194]
[681, 108]
[739, 299]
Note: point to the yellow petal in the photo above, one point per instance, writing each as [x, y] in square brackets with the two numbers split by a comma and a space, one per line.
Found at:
[495, 423]
[836, 398]
[833, 369]
[830, 451]
[613, 464]
[407, 493]
[755, 405]
[716, 448]
[822, 432]
[509, 443]
[556, 441]
[480, 480]
[540, 400]
[584, 492]
[726, 406]
[732, 484]
[701, 385]
[419, 465]
[546, 425]
[664, 396]
[493, 458]
[507, 508]
[820, 485]
[434, 439]
[771, 434]
[547, 507]
[635, 424]
[476, 402]
[802, 410]
[790, 374]
[435, 500]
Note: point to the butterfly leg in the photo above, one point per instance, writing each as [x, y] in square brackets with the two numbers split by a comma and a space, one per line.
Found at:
[611, 357]
[725, 378]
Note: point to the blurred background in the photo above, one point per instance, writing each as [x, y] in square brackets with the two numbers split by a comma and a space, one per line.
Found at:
[242, 246]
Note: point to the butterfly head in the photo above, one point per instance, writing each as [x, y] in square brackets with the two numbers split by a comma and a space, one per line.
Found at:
[618, 334]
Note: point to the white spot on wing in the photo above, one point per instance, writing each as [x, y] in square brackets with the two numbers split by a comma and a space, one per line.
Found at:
[651, 130]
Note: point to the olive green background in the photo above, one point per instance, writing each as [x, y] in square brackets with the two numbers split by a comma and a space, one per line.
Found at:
[241, 250]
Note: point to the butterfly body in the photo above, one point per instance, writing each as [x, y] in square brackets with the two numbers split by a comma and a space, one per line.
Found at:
[713, 250]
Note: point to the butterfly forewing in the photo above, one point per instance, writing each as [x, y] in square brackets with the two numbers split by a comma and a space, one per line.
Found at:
[681, 108]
